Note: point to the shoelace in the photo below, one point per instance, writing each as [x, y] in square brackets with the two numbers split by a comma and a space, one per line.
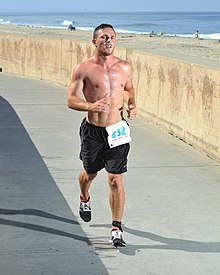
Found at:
[85, 206]
[116, 234]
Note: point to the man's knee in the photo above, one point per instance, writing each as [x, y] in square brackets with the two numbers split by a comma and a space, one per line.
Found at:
[91, 176]
[87, 176]
[115, 181]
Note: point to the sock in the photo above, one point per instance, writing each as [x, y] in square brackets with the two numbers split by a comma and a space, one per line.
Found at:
[117, 224]
[83, 200]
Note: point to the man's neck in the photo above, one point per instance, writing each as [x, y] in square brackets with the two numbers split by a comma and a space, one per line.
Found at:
[105, 60]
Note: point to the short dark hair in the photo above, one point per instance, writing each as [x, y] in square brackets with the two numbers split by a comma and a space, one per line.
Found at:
[101, 27]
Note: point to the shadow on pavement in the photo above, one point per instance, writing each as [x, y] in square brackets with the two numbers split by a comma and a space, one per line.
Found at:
[35, 212]
[38, 232]
[165, 243]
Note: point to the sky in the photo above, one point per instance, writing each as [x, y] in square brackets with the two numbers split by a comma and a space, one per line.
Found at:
[111, 5]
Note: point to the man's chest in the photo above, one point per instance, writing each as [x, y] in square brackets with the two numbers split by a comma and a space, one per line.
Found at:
[107, 79]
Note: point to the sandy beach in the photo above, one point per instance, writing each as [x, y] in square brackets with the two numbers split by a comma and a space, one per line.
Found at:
[197, 51]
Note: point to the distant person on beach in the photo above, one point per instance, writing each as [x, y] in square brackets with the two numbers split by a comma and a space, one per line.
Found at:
[197, 34]
[152, 33]
[105, 81]
[71, 27]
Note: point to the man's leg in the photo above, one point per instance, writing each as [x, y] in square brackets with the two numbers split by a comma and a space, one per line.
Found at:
[117, 201]
[85, 181]
[116, 197]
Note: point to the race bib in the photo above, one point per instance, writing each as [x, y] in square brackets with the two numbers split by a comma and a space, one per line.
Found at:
[118, 134]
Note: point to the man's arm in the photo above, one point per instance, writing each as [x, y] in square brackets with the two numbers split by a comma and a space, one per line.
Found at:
[129, 96]
[75, 88]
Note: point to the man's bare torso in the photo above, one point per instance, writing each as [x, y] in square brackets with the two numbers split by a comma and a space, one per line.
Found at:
[101, 80]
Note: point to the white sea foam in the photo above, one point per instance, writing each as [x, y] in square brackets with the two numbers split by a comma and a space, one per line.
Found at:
[66, 23]
[84, 28]
[214, 36]
[211, 36]
[2, 21]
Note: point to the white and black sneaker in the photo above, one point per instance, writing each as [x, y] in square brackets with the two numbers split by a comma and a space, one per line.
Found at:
[85, 210]
[117, 239]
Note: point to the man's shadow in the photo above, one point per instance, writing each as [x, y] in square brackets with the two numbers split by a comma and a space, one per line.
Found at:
[165, 243]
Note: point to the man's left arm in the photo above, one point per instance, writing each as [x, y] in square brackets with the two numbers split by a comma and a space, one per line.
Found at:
[129, 96]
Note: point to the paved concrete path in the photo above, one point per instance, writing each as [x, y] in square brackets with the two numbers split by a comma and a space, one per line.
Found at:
[172, 212]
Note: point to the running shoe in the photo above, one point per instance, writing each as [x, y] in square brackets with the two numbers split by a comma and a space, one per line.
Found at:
[117, 239]
[85, 211]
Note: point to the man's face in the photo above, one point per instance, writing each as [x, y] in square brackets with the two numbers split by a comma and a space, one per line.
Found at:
[105, 41]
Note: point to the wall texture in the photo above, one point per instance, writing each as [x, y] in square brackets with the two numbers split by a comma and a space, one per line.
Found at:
[179, 97]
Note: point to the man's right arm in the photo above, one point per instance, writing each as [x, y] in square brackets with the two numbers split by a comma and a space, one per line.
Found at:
[75, 88]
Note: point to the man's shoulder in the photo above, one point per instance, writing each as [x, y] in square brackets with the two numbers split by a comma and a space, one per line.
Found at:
[84, 65]
[123, 63]
[121, 60]
[87, 61]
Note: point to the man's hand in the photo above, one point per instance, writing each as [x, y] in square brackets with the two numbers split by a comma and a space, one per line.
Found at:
[132, 111]
[101, 105]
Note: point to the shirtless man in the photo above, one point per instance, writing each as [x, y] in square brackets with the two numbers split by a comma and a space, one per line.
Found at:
[105, 81]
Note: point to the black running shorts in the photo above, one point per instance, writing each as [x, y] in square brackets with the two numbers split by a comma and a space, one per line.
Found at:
[96, 154]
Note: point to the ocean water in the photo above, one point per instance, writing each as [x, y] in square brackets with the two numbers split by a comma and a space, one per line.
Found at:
[170, 23]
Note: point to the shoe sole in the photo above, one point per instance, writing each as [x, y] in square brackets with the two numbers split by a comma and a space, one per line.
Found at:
[118, 243]
[86, 217]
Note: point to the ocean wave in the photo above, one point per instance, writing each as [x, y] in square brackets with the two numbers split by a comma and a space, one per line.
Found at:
[3, 22]
[129, 31]
[212, 36]
[139, 25]
[84, 28]
[66, 23]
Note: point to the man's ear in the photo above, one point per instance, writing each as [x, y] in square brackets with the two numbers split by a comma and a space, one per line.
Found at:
[94, 42]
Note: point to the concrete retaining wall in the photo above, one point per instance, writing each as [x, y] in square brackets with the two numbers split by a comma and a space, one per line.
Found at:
[182, 98]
